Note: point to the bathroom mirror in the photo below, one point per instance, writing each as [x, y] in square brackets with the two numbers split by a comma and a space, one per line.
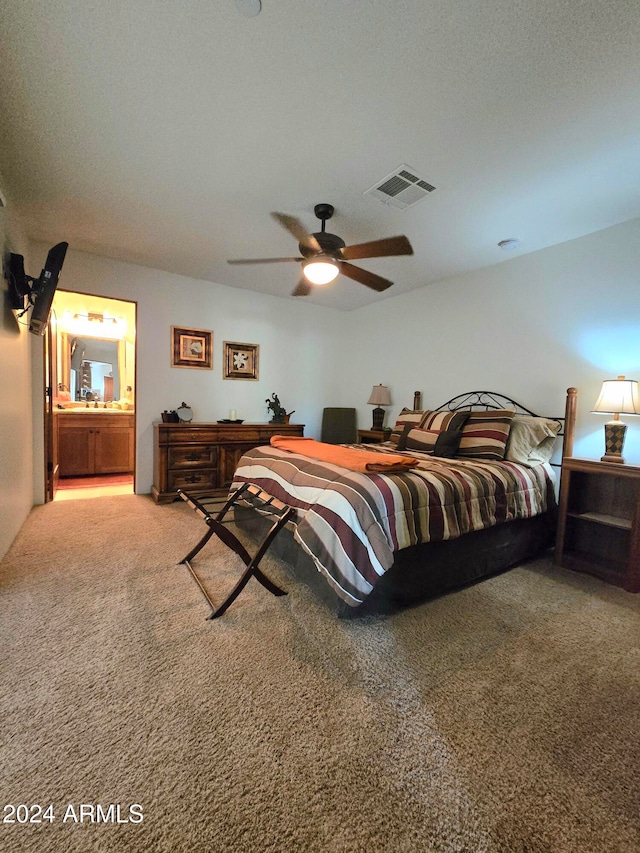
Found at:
[92, 369]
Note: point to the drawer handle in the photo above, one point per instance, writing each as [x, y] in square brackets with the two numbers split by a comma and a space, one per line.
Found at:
[193, 457]
[192, 479]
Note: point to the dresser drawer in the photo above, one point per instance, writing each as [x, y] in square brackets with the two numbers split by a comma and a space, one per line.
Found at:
[193, 457]
[195, 435]
[244, 434]
[192, 479]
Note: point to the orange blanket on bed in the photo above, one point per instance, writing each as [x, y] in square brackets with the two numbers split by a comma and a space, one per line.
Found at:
[366, 461]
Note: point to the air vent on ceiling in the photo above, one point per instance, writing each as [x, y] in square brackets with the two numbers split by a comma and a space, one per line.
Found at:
[402, 188]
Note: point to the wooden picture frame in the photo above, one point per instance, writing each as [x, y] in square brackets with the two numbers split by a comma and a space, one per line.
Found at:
[241, 361]
[191, 348]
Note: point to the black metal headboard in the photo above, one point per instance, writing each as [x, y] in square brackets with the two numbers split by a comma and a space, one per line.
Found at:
[488, 400]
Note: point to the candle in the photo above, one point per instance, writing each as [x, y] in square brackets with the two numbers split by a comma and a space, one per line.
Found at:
[233, 415]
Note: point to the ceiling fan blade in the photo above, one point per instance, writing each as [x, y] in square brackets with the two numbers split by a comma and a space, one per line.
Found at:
[302, 288]
[295, 227]
[370, 279]
[263, 260]
[378, 249]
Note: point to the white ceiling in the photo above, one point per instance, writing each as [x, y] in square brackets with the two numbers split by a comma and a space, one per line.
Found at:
[164, 132]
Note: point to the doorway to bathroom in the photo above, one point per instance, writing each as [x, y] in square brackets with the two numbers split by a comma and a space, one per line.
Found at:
[90, 397]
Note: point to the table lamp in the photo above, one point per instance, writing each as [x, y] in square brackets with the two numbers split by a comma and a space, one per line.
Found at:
[618, 396]
[379, 397]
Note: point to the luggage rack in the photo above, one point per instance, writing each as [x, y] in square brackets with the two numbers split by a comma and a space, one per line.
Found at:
[205, 506]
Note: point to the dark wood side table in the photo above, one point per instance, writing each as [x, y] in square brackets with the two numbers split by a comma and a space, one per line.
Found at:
[599, 520]
[372, 436]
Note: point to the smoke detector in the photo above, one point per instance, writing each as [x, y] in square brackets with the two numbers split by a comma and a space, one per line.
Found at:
[249, 8]
[401, 188]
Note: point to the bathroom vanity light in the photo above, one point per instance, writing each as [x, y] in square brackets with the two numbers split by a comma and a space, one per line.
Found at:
[95, 325]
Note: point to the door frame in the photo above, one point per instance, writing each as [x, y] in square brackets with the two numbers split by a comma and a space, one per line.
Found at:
[51, 466]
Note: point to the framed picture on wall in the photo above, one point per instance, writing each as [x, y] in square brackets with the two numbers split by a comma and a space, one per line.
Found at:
[241, 360]
[191, 348]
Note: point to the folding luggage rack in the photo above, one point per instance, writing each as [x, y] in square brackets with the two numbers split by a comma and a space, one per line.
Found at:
[205, 506]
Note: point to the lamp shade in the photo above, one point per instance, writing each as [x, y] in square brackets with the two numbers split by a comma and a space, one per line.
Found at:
[380, 396]
[618, 396]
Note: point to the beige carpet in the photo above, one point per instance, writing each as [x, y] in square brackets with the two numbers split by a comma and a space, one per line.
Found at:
[500, 718]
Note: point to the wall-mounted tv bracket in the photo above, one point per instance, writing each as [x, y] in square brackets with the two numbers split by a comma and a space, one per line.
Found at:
[23, 289]
[21, 286]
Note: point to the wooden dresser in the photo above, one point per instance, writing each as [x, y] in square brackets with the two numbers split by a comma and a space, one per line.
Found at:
[203, 457]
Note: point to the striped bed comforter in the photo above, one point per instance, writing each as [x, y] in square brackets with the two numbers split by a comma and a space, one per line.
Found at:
[350, 523]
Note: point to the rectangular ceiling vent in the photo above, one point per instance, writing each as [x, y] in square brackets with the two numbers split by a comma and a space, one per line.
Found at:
[402, 188]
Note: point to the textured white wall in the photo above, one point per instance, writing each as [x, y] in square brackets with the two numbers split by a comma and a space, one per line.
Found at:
[529, 328]
[16, 450]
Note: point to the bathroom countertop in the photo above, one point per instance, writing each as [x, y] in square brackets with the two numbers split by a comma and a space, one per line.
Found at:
[84, 410]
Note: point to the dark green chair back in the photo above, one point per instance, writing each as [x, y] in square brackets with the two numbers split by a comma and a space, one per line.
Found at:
[339, 426]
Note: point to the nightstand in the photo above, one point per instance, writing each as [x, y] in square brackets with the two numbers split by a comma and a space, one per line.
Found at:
[599, 521]
[372, 436]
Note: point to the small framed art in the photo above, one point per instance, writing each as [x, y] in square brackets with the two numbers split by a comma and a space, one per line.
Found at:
[191, 348]
[241, 360]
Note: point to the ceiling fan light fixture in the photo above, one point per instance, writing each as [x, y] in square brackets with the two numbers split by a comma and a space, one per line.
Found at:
[325, 255]
[321, 270]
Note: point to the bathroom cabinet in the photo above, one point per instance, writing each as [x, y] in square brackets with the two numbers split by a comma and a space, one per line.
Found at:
[100, 443]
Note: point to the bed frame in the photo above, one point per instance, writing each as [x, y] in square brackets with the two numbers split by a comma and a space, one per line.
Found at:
[452, 564]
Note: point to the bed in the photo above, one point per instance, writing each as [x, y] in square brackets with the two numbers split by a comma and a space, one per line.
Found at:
[381, 539]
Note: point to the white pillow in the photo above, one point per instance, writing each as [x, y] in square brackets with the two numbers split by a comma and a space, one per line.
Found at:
[531, 440]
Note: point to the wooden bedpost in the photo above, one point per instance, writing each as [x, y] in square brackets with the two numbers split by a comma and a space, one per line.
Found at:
[569, 421]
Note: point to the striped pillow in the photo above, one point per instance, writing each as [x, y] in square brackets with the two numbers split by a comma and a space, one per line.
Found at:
[406, 416]
[443, 443]
[420, 439]
[444, 420]
[485, 435]
[409, 419]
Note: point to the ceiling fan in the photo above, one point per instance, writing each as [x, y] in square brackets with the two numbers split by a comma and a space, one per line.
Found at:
[325, 256]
